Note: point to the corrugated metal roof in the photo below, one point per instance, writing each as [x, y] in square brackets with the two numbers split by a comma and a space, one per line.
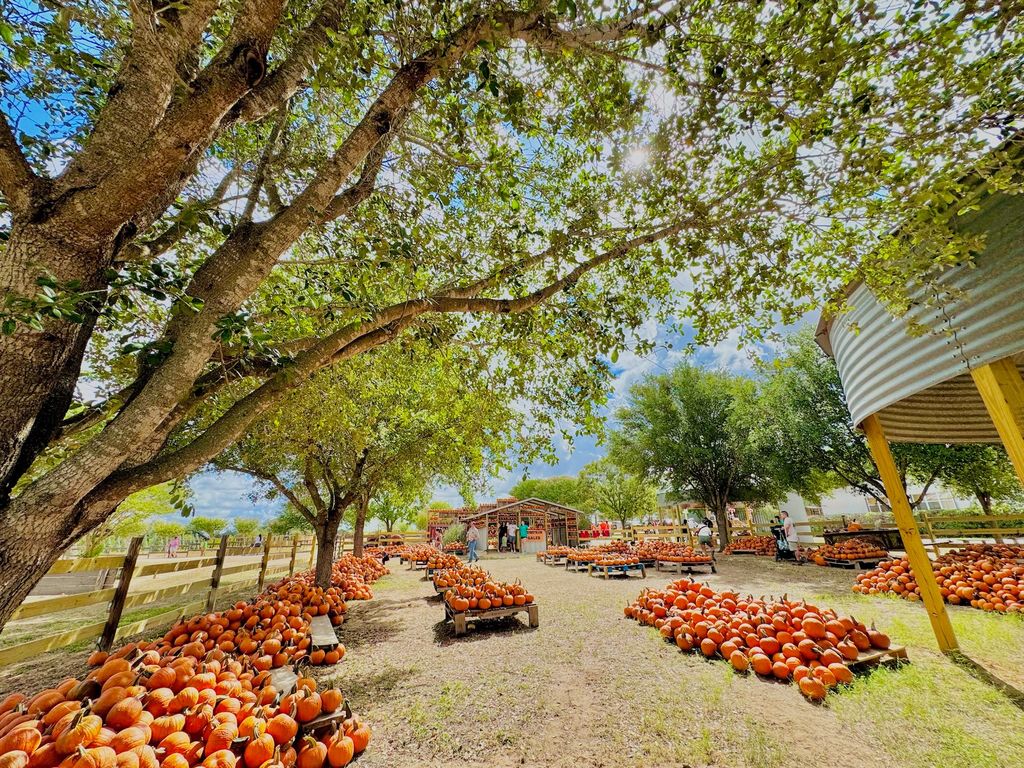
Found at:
[920, 386]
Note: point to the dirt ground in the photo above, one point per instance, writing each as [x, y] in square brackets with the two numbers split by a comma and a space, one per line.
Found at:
[589, 687]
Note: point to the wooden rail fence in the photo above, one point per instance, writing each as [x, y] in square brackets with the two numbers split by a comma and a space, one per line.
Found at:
[276, 561]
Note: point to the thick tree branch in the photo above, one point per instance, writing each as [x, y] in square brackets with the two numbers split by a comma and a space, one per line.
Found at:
[17, 179]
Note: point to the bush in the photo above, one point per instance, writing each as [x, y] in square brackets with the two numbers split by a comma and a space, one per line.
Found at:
[454, 532]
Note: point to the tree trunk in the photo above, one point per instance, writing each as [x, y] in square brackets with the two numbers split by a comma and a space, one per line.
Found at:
[357, 530]
[389, 525]
[985, 499]
[30, 543]
[39, 368]
[722, 519]
[326, 541]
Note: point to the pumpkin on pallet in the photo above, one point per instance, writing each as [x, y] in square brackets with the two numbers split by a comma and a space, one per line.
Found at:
[776, 638]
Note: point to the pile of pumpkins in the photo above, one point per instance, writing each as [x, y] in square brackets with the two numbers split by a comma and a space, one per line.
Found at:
[354, 575]
[776, 638]
[442, 560]
[989, 577]
[759, 545]
[670, 552]
[464, 574]
[419, 553]
[202, 695]
[612, 559]
[855, 548]
[473, 589]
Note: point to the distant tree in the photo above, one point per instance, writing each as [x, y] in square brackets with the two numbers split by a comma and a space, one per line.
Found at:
[808, 430]
[212, 527]
[569, 491]
[289, 520]
[245, 526]
[439, 505]
[132, 515]
[982, 471]
[690, 429]
[165, 529]
[619, 495]
[391, 508]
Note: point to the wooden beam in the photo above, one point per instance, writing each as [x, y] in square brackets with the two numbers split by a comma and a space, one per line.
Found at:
[117, 604]
[919, 562]
[1002, 390]
[218, 572]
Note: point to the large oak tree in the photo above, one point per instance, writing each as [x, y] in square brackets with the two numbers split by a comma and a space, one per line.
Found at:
[177, 176]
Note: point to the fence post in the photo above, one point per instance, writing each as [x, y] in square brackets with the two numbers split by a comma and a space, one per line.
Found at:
[295, 551]
[312, 554]
[931, 533]
[117, 604]
[218, 569]
[263, 563]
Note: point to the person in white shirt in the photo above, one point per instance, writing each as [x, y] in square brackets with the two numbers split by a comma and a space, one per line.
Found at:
[789, 529]
[704, 534]
[472, 537]
[511, 529]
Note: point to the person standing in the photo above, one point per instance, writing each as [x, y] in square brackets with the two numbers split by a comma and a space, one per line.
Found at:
[472, 537]
[502, 537]
[523, 530]
[172, 546]
[258, 541]
[789, 530]
[704, 534]
[510, 534]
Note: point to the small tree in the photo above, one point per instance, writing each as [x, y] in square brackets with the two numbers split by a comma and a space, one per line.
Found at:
[691, 429]
[619, 495]
[245, 526]
[391, 508]
[982, 471]
[454, 532]
[207, 527]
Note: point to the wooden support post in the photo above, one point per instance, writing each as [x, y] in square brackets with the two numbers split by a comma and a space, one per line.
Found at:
[218, 569]
[1002, 390]
[919, 562]
[120, 594]
[295, 552]
[263, 563]
[312, 554]
[931, 532]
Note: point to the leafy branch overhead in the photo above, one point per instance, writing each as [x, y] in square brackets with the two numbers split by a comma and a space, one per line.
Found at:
[207, 204]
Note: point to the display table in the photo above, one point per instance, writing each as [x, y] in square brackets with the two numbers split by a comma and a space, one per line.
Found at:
[888, 538]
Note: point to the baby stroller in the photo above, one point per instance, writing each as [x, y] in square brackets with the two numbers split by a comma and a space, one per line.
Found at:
[782, 548]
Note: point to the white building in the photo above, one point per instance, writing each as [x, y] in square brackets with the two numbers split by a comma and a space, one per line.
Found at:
[846, 501]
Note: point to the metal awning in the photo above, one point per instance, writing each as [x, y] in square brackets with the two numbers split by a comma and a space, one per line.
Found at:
[919, 384]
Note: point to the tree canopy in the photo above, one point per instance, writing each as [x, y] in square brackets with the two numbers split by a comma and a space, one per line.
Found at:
[212, 202]
[619, 495]
[690, 431]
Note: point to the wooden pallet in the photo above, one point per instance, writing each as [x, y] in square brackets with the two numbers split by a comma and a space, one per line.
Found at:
[672, 566]
[624, 570]
[417, 565]
[325, 722]
[283, 679]
[893, 656]
[321, 633]
[864, 565]
[577, 565]
[464, 619]
[553, 561]
[746, 552]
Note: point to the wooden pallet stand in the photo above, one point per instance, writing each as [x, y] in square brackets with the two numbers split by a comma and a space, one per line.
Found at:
[552, 560]
[743, 552]
[893, 656]
[672, 566]
[864, 565]
[463, 620]
[613, 570]
[321, 633]
[324, 722]
[284, 679]
[417, 565]
[576, 565]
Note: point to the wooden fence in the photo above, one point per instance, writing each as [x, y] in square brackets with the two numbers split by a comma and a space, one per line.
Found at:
[277, 560]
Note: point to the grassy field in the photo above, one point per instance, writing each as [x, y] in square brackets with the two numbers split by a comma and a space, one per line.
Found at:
[591, 688]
